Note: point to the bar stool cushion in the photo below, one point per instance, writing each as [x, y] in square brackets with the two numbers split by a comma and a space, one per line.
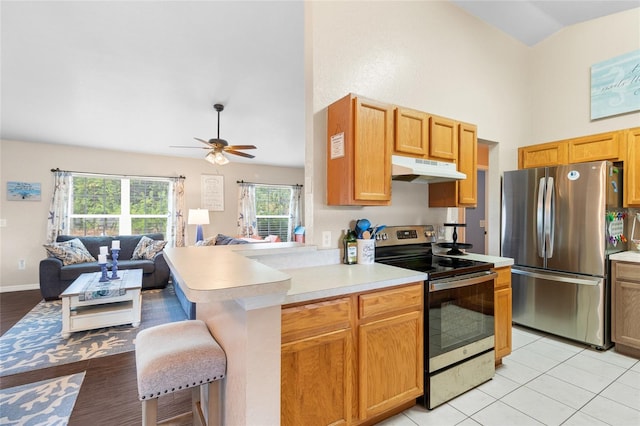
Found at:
[178, 355]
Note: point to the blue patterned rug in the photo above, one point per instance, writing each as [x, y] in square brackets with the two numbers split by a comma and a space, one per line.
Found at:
[48, 402]
[35, 341]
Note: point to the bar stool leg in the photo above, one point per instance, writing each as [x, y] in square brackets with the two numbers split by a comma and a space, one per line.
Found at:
[150, 412]
[214, 403]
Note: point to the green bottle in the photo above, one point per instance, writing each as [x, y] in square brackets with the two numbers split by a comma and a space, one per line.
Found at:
[350, 247]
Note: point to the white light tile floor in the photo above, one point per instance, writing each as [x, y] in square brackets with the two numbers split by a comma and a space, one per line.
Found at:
[545, 381]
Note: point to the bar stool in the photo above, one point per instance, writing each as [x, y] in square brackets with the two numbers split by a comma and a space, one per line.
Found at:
[175, 356]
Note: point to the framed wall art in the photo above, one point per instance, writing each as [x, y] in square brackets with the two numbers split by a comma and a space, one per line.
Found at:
[24, 191]
[615, 85]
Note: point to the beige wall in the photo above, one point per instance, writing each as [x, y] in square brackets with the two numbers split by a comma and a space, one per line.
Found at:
[25, 229]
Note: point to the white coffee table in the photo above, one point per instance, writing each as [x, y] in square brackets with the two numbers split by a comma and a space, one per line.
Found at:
[83, 309]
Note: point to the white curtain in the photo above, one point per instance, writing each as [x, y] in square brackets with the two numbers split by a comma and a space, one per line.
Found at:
[247, 222]
[295, 209]
[57, 221]
[178, 222]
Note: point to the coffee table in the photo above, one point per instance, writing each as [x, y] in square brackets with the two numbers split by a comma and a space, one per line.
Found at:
[88, 304]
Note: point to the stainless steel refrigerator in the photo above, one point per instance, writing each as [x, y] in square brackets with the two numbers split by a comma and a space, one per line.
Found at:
[556, 225]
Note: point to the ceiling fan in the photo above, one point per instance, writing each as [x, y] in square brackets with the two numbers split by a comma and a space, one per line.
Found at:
[219, 146]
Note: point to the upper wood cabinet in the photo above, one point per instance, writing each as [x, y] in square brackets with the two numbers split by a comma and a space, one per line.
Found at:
[620, 145]
[603, 146]
[359, 144]
[463, 193]
[411, 132]
[542, 155]
[443, 138]
[632, 169]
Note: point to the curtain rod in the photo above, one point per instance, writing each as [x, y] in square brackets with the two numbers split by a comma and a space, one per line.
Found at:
[269, 184]
[114, 174]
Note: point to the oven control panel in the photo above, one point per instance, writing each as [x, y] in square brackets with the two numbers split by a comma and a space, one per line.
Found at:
[402, 235]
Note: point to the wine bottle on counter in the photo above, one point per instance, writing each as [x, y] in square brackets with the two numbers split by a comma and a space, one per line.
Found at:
[350, 247]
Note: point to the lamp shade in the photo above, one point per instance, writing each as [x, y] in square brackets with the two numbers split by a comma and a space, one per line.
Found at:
[198, 217]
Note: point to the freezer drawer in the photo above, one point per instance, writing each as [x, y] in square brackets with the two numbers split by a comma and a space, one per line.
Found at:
[568, 305]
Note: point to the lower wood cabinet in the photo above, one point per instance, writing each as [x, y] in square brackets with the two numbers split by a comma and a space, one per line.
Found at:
[625, 300]
[503, 312]
[352, 360]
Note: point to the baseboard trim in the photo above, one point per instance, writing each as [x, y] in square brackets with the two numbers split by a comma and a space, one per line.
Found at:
[22, 287]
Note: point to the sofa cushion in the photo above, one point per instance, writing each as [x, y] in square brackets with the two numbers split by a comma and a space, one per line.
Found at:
[147, 248]
[71, 272]
[225, 240]
[69, 252]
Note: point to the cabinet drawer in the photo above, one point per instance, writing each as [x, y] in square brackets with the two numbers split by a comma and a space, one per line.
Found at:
[504, 277]
[381, 302]
[628, 271]
[314, 318]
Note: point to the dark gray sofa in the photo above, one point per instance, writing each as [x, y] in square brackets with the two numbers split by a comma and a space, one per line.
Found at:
[55, 278]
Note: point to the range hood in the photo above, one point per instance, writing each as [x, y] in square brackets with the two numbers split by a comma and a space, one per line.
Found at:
[410, 169]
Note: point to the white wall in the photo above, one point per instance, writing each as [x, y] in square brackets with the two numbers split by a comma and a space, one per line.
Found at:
[435, 57]
[561, 71]
[430, 56]
[25, 230]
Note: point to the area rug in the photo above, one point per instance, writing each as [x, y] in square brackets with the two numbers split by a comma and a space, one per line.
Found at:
[48, 402]
[35, 341]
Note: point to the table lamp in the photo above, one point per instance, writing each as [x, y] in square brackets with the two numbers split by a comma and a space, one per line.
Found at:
[198, 217]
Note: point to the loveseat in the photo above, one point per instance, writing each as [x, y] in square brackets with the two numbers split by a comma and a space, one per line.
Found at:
[56, 276]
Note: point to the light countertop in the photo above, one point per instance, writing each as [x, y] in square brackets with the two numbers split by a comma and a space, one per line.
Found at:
[626, 256]
[334, 280]
[497, 261]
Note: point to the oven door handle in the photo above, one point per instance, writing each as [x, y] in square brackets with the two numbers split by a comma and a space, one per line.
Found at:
[447, 284]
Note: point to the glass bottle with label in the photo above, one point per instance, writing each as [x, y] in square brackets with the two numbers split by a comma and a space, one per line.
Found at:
[350, 247]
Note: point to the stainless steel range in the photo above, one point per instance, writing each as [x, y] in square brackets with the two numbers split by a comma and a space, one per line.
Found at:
[459, 315]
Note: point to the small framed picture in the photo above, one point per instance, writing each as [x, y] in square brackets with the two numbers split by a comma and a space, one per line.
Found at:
[24, 191]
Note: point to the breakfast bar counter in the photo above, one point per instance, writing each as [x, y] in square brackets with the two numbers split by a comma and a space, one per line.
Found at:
[239, 292]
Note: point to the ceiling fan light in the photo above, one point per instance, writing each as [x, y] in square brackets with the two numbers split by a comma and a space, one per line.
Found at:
[220, 159]
[210, 158]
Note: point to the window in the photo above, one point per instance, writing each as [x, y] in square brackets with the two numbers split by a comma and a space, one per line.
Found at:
[115, 205]
[273, 215]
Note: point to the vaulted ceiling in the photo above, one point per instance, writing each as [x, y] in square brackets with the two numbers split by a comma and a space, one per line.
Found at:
[142, 76]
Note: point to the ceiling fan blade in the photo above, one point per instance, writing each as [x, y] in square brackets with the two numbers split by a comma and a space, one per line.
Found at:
[184, 146]
[241, 154]
[203, 141]
[241, 147]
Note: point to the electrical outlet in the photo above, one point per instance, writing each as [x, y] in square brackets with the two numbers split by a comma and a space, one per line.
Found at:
[326, 238]
[22, 264]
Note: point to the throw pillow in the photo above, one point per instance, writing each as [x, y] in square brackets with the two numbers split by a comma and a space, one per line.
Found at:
[147, 248]
[69, 252]
[211, 241]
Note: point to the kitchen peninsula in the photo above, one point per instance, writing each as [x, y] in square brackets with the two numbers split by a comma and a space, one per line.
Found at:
[239, 292]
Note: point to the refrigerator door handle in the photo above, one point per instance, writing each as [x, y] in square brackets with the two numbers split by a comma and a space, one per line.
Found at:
[540, 218]
[549, 213]
[561, 278]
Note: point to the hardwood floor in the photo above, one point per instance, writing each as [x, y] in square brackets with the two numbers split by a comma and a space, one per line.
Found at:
[109, 392]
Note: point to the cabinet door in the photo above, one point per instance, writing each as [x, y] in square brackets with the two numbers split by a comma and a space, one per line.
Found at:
[411, 132]
[603, 146]
[443, 138]
[468, 164]
[546, 154]
[625, 327]
[632, 169]
[373, 129]
[390, 362]
[502, 312]
[316, 383]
